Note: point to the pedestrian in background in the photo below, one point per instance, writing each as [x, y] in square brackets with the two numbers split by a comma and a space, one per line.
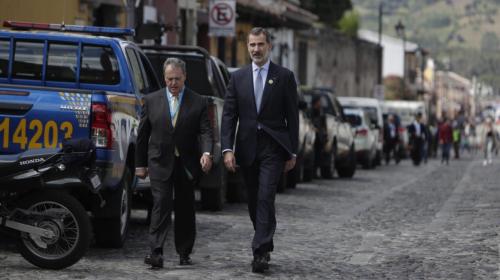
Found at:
[445, 140]
[261, 104]
[319, 122]
[391, 140]
[417, 137]
[456, 139]
[489, 142]
[168, 149]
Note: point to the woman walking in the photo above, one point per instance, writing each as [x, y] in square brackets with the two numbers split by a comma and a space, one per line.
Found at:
[489, 142]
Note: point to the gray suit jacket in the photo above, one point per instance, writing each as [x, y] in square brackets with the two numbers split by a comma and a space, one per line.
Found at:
[157, 138]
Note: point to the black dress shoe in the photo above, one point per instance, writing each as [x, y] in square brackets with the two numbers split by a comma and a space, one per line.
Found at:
[155, 260]
[185, 260]
[259, 264]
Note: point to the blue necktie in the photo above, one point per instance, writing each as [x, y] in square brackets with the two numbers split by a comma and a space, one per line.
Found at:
[258, 89]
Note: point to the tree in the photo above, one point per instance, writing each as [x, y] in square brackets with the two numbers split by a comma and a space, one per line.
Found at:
[329, 11]
[349, 23]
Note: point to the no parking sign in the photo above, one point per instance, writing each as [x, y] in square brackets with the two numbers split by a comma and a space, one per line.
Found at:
[222, 18]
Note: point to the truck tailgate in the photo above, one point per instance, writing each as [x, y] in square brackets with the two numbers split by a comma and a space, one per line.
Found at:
[41, 118]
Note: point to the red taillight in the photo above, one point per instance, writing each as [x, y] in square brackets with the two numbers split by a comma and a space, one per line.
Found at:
[101, 126]
[212, 116]
[362, 132]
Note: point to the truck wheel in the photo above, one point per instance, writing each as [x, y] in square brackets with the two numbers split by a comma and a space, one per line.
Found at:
[63, 215]
[282, 183]
[112, 232]
[236, 190]
[308, 170]
[293, 176]
[348, 170]
[212, 199]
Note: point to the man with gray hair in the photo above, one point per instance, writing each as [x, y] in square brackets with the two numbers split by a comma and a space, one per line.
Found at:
[174, 144]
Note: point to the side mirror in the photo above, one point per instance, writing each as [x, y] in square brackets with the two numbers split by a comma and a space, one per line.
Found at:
[302, 105]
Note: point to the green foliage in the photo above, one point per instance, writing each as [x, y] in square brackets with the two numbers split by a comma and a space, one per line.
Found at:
[329, 11]
[489, 41]
[442, 25]
[349, 23]
[436, 21]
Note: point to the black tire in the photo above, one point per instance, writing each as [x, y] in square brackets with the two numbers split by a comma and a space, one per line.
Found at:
[348, 170]
[111, 231]
[308, 169]
[76, 215]
[214, 196]
[236, 190]
[368, 163]
[292, 177]
[212, 199]
[282, 183]
[328, 167]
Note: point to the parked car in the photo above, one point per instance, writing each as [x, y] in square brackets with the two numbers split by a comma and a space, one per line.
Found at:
[68, 82]
[207, 76]
[374, 109]
[339, 151]
[366, 137]
[304, 167]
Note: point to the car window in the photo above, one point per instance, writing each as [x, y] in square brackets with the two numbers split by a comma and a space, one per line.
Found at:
[372, 113]
[149, 74]
[338, 108]
[4, 58]
[136, 70]
[28, 60]
[327, 106]
[99, 65]
[62, 62]
[196, 71]
[354, 120]
[221, 86]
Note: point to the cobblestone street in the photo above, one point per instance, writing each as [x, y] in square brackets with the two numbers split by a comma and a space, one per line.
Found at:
[394, 222]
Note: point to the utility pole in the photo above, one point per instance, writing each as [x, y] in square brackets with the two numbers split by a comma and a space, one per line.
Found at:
[380, 52]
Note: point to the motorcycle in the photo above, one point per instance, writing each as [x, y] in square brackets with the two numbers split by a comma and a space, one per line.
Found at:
[51, 227]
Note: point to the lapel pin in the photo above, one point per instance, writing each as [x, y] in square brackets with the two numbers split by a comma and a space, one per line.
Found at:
[271, 82]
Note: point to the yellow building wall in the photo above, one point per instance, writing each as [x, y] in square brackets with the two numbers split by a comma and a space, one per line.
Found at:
[44, 11]
[51, 11]
[242, 56]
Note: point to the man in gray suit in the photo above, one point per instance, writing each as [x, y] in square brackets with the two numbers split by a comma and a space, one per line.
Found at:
[174, 144]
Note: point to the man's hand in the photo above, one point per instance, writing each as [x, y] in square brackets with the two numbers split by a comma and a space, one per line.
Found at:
[206, 163]
[290, 164]
[141, 172]
[230, 161]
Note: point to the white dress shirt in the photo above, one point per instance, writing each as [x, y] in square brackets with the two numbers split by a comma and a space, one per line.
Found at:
[263, 72]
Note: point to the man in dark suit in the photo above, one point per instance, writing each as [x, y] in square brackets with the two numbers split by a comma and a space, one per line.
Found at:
[262, 97]
[168, 149]
[417, 136]
[391, 139]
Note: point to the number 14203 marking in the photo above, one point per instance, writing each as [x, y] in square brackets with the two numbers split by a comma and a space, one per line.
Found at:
[44, 135]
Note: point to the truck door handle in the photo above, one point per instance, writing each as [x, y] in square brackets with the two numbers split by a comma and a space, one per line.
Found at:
[9, 108]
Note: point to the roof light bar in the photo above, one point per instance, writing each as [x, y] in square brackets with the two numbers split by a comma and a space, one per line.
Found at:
[110, 31]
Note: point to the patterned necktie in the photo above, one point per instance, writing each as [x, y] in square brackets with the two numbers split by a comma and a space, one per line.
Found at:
[175, 101]
[258, 89]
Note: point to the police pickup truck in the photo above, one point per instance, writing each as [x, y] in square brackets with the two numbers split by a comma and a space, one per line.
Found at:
[59, 82]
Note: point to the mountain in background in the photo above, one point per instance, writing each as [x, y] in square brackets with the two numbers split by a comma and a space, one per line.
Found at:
[465, 33]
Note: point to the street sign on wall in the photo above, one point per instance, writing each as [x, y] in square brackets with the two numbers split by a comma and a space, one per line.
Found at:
[222, 18]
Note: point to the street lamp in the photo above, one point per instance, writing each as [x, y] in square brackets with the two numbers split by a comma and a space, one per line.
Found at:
[400, 31]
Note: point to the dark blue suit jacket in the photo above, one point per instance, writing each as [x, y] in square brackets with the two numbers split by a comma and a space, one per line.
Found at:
[278, 115]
